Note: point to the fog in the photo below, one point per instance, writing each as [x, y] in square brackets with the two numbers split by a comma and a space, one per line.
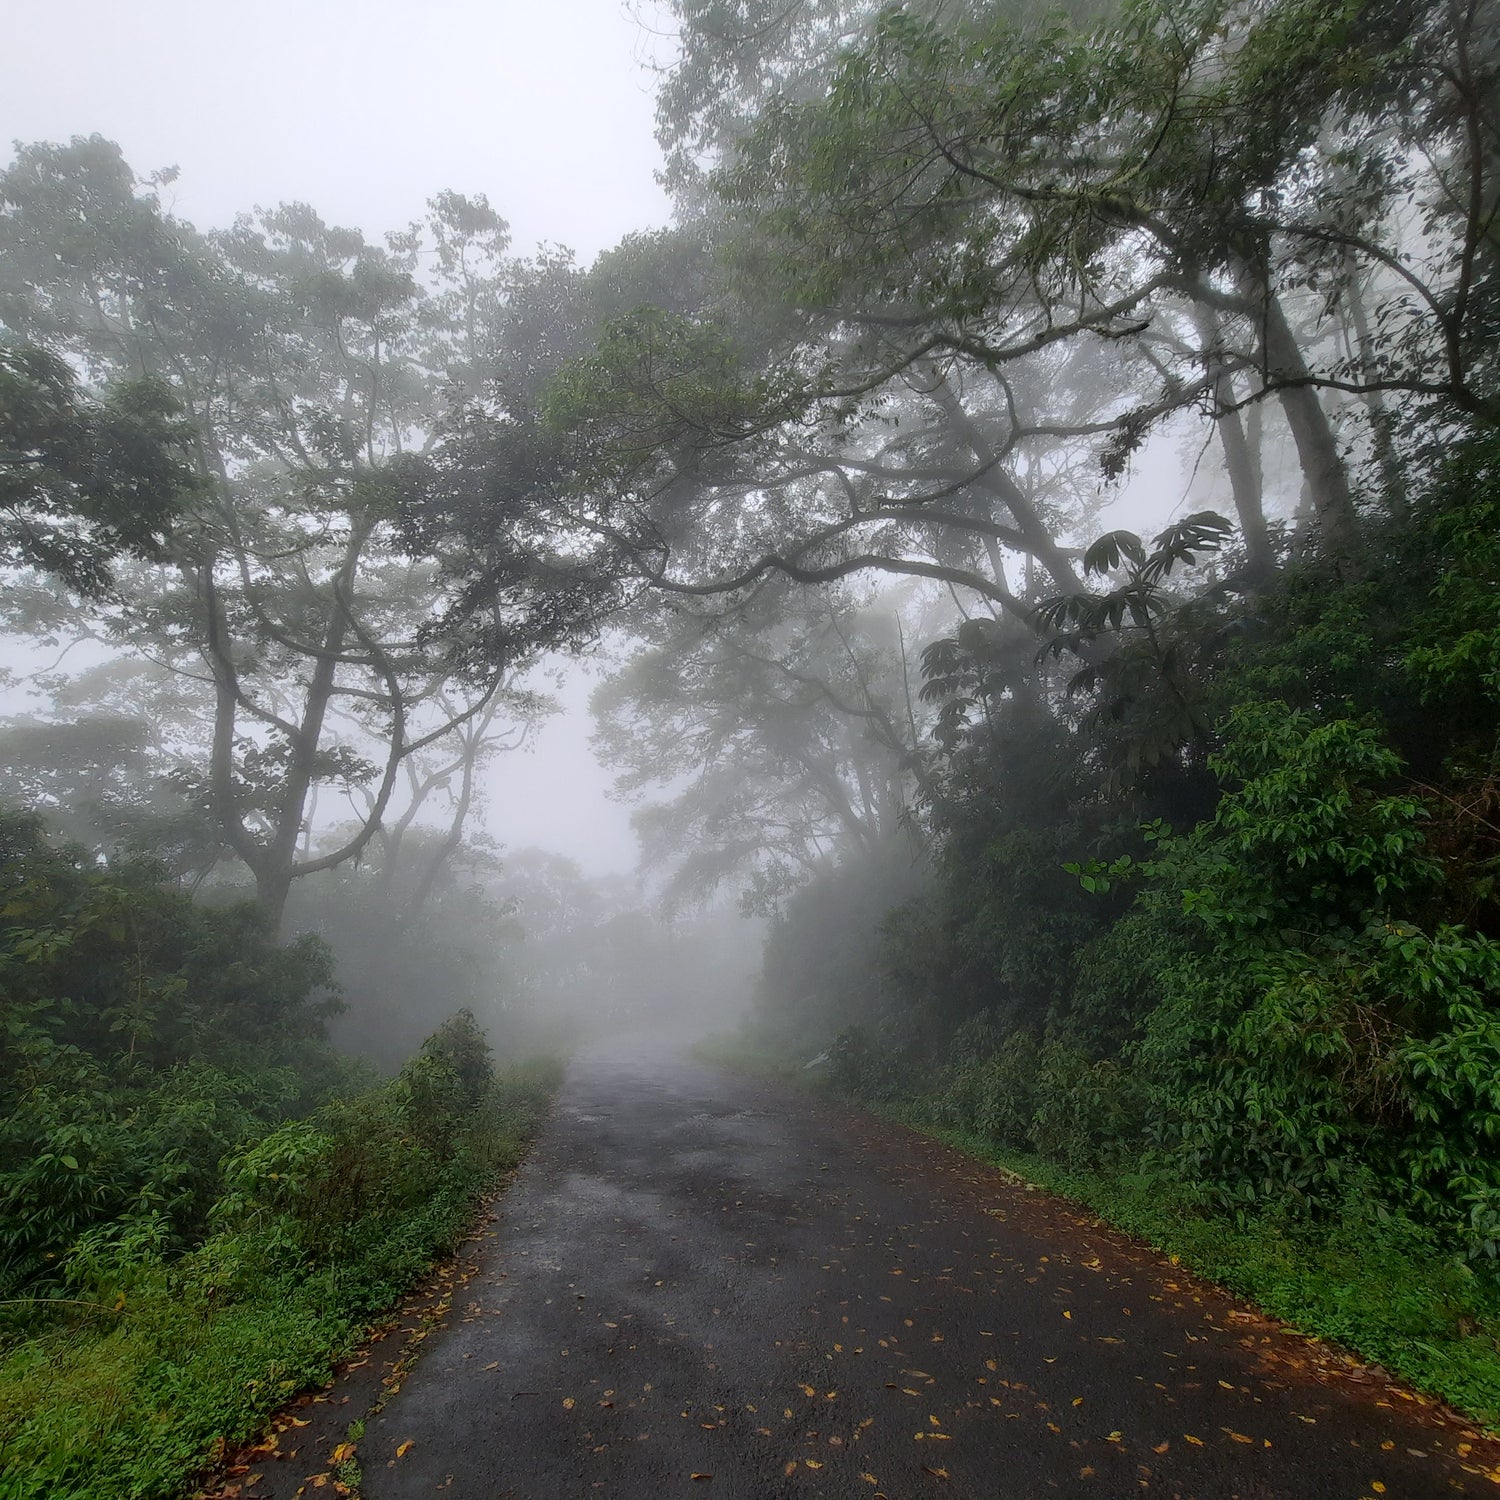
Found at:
[588, 573]
[364, 110]
[478, 100]
[486, 491]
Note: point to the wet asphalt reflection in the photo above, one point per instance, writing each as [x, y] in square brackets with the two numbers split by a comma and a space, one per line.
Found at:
[706, 1284]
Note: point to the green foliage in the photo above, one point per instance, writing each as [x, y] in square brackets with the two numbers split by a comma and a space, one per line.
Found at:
[1452, 647]
[1146, 649]
[147, 1036]
[989, 1087]
[658, 379]
[448, 1077]
[1315, 1030]
[124, 964]
[1276, 1010]
[83, 482]
[1005, 1086]
[130, 1399]
[88, 1160]
[326, 1189]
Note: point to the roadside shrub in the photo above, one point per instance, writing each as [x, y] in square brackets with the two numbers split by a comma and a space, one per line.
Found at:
[145, 1037]
[327, 1221]
[446, 1081]
[989, 1086]
[87, 1153]
[1088, 1111]
[1315, 1030]
[358, 1165]
[1119, 980]
[886, 1063]
[351, 1167]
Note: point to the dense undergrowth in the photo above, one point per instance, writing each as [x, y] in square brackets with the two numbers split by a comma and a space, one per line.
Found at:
[1216, 939]
[202, 1206]
[323, 1223]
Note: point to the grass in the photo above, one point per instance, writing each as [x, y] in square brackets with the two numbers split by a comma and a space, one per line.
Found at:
[1384, 1290]
[132, 1402]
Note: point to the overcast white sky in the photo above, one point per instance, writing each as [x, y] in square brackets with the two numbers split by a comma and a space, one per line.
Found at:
[365, 109]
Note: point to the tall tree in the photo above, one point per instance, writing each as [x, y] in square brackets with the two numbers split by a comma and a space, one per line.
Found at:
[775, 737]
[992, 247]
[315, 368]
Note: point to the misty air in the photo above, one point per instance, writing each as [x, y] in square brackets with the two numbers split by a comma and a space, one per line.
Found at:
[750, 748]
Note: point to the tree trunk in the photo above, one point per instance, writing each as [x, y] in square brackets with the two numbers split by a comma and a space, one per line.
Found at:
[272, 887]
[292, 805]
[1334, 518]
[1244, 477]
[1382, 418]
[1040, 543]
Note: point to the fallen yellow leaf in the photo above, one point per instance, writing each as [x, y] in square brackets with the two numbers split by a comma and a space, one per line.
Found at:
[405, 1448]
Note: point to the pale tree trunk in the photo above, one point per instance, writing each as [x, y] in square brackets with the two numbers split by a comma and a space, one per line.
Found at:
[1239, 460]
[1039, 542]
[1285, 371]
[1382, 418]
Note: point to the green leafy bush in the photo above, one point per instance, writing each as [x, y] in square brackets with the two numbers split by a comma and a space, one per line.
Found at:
[989, 1085]
[1313, 1029]
[324, 1221]
[146, 1037]
[360, 1164]
[1089, 1111]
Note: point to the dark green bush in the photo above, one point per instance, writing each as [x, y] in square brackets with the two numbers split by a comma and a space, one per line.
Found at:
[146, 1037]
[989, 1086]
[327, 1221]
[1089, 1112]
[1240, 994]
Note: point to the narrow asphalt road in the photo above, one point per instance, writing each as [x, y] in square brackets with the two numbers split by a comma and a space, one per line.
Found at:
[704, 1284]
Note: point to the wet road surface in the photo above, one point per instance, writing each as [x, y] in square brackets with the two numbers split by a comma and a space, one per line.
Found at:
[705, 1284]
